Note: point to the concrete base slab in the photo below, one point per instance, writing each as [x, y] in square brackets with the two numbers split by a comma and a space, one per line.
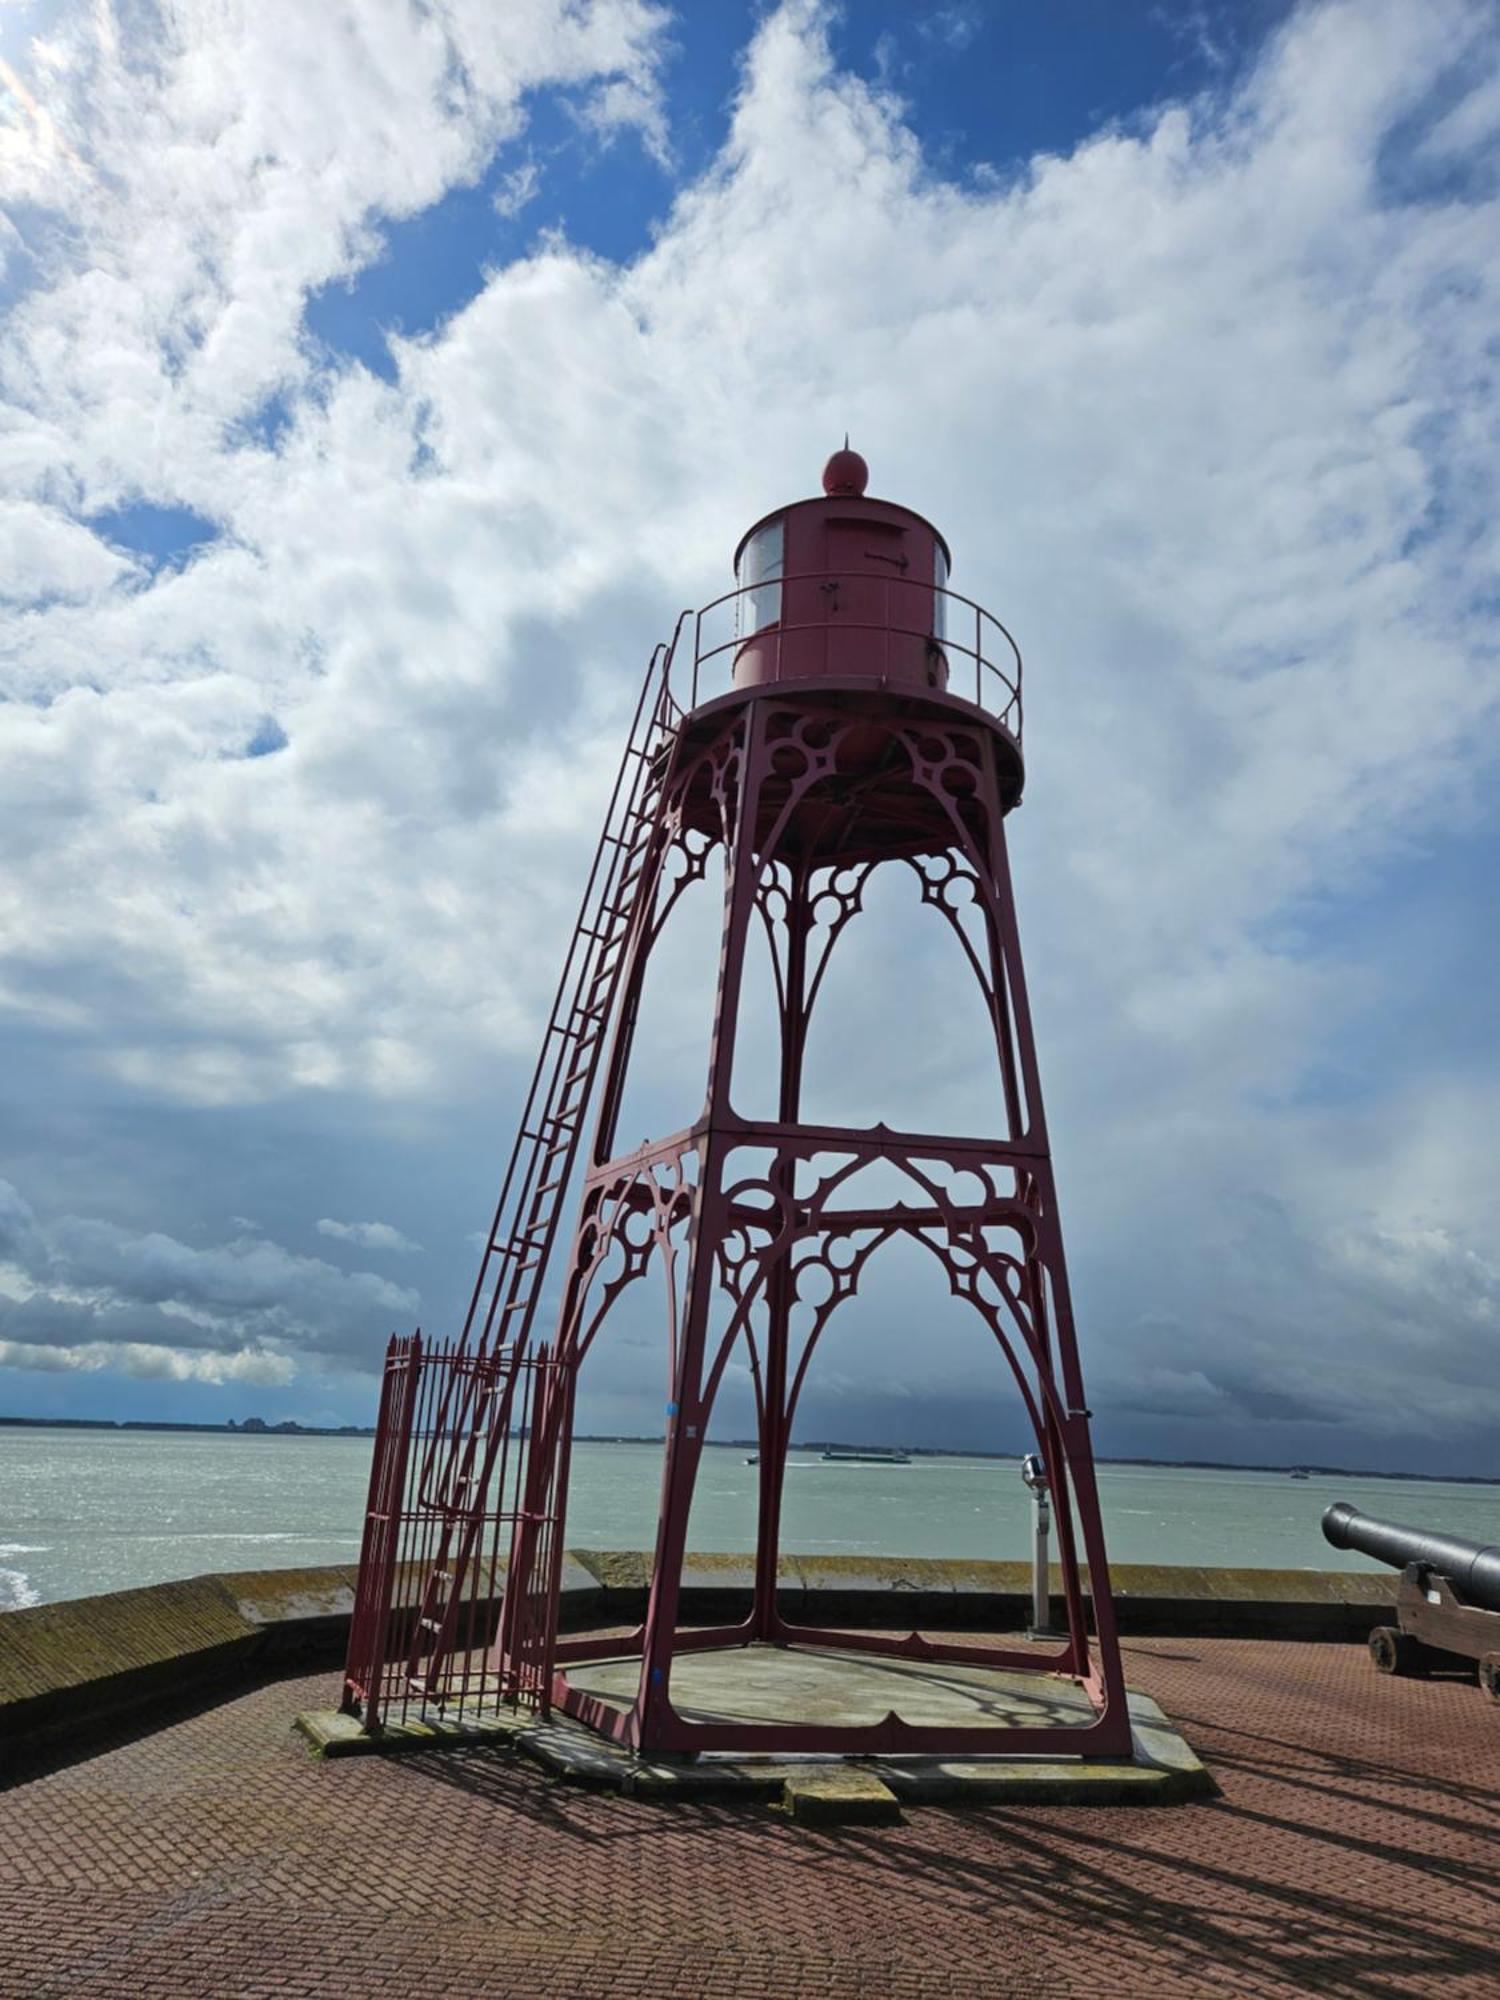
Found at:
[839, 1686]
[846, 1795]
[334, 1734]
[770, 1683]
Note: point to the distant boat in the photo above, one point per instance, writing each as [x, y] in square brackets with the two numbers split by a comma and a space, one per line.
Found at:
[1297, 1472]
[866, 1458]
[753, 1459]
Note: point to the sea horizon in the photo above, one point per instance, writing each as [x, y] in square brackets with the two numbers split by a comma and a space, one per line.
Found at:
[92, 1508]
[294, 1427]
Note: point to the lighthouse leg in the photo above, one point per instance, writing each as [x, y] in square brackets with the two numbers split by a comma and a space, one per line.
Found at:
[687, 1413]
[775, 1426]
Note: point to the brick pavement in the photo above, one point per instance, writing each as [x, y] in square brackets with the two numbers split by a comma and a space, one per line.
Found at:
[1354, 1852]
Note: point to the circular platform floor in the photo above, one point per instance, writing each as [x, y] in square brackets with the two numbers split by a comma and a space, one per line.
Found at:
[818, 1684]
[762, 1684]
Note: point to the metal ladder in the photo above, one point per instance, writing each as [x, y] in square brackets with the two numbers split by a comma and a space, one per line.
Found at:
[460, 1457]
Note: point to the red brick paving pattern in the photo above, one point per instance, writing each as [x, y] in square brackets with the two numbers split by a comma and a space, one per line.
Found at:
[1354, 1851]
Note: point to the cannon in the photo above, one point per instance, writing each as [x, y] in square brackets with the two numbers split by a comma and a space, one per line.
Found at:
[1448, 1600]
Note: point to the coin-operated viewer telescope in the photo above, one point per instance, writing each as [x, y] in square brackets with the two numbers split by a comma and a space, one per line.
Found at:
[841, 711]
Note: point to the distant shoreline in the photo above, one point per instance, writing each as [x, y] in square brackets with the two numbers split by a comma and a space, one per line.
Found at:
[255, 1428]
[252, 1427]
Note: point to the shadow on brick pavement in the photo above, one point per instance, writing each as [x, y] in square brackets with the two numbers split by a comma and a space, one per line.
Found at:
[1351, 1853]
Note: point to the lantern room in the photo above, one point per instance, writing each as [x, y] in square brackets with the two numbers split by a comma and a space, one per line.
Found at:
[842, 586]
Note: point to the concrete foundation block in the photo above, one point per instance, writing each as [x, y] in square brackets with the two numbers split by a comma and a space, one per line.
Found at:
[840, 1795]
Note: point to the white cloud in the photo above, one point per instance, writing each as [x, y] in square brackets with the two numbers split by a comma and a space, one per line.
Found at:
[1209, 414]
[79, 1289]
[44, 555]
[633, 106]
[368, 1235]
[142, 1360]
[238, 160]
[953, 27]
[517, 189]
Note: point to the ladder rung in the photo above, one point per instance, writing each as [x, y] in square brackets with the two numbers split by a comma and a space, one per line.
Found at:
[550, 1124]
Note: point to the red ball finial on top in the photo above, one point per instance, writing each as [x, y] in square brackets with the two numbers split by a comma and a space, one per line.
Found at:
[846, 474]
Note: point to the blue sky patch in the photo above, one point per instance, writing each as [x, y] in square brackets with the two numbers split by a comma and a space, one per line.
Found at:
[158, 535]
[265, 426]
[986, 88]
[268, 738]
[989, 86]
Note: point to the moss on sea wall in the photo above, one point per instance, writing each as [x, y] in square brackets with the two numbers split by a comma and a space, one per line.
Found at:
[55, 1646]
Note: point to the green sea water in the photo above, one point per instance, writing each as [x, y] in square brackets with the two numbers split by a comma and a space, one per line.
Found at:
[85, 1511]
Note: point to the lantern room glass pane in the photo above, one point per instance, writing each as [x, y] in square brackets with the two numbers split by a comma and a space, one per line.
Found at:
[939, 601]
[759, 576]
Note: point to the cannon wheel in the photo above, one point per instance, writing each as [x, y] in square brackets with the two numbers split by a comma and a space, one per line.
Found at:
[1489, 1675]
[1396, 1652]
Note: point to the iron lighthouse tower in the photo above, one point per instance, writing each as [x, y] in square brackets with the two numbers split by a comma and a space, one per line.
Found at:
[839, 712]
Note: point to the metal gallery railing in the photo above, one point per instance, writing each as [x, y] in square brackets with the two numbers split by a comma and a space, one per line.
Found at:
[982, 659]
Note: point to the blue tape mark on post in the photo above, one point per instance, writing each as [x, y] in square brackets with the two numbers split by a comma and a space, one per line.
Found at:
[671, 1409]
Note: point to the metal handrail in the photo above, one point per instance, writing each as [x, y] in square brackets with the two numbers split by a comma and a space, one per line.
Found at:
[996, 687]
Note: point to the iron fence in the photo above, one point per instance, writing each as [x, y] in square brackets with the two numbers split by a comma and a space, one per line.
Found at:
[452, 1480]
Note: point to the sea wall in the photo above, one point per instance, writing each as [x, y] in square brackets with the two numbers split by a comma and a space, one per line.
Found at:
[95, 1658]
[71, 1666]
[1156, 1598]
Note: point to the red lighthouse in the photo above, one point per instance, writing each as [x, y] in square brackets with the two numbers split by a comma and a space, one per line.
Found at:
[840, 711]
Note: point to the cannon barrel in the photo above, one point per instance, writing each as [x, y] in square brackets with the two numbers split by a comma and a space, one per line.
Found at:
[1473, 1568]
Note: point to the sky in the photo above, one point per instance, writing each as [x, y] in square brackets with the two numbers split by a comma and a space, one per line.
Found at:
[377, 383]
